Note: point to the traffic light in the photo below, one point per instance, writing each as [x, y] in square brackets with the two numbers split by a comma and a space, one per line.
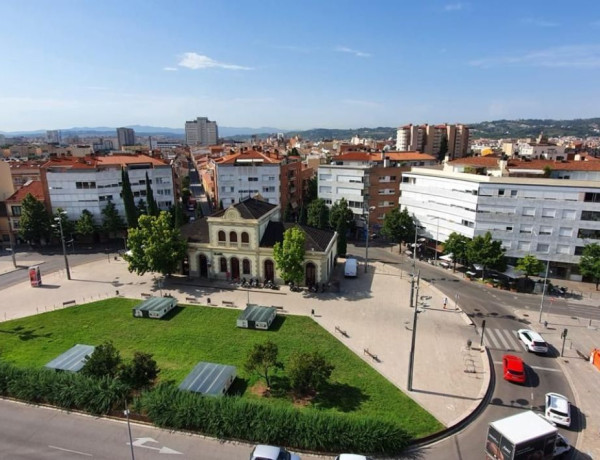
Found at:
[564, 334]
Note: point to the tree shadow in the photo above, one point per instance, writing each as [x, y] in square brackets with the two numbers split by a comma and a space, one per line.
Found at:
[172, 313]
[341, 396]
[238, 387]
[280, 386]
[27, 334]
[277, 323]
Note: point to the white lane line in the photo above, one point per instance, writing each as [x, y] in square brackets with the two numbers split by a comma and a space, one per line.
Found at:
[71, 451]
[490, 339]
[500, 363]
[503, 339]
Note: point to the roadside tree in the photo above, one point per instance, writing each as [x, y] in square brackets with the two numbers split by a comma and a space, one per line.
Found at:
[111, 220]
[262, 360]
[589, 265]
[340, 211]
[530, 265]
[318, 214]
[457, 245]
[399, 226]
[155, 246]
[85, 225]
[486, 252]
[131, 212]
[289, 255]
[34, 224]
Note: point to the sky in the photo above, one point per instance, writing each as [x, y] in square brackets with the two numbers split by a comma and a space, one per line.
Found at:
[296, 65]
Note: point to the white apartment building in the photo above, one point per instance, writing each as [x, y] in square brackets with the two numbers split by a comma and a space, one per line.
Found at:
[542, 149]
[201, 131]
[348, 180]
[247, 174]
[75, 184]
[552, 219]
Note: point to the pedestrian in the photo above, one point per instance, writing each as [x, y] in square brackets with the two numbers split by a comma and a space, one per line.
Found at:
[445, 302]
[312, 312]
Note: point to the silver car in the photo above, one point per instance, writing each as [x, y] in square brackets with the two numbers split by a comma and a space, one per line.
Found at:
[533, 341]
[263, 452]
[558, 409]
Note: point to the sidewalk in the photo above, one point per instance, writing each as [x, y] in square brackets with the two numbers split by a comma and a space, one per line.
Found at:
[449, 379]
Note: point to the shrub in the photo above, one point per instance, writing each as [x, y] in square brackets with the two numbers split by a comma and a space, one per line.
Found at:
[308, 372]
[140, 372]
[103, 362]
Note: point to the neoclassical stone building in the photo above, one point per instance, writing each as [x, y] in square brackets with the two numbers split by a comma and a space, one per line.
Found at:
[238, 243]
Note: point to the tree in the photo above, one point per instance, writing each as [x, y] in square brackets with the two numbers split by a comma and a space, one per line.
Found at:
[103, 362]
[85, 225]
[308, 372]
[486, 252]
[220, 205]
[318, 214]
[155, 246]
[398, 226]
[303, 217]
[111, 220]
[178, 215]
[342, 241]
[340, 211]
[530, 264]
[589, 265]
[443, 148]
[289, 255]
[288, 214]
[34, 223]
[141, 372]
[131, 212]
[141, 208]
[457, 245]
[312, 193]
[152, 206]
[262, 359]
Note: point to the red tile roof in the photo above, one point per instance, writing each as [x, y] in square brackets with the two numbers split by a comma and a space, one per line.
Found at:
[90, 162]
[34, 187]
[247, 155]
[409, 156]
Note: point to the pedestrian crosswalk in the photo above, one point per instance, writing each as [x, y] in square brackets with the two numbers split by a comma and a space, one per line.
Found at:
[502, 339]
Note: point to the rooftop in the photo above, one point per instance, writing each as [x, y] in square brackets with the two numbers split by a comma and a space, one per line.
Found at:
[34, 187]
[250, 208]
[316, 239]
[247, 157]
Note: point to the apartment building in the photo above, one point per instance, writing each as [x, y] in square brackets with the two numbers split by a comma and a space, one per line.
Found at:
[368, 180]
[6, 190]
[428, 139]
[53, 136]
[201, 131]
[125, 136]
[294, 181]
[246, 174]
[542, 149]
[14, 207]
[75, 184]
[549, 217]
[22, 172]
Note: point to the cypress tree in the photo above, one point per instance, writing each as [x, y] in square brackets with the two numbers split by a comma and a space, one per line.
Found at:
[303, 215]
[288, 214]
[152, 206]
[130, 209]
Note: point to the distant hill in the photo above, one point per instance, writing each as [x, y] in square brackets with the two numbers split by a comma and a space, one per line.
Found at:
[532, 127]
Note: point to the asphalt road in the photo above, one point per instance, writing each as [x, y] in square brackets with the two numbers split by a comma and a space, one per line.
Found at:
[497, 308]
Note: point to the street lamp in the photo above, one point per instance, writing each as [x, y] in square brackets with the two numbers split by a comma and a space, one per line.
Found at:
[366, 212]
[544, 290]
[437, 235]
[62, 239]
[411, 358]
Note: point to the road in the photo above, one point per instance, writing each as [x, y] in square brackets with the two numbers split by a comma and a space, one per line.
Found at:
[496, 307]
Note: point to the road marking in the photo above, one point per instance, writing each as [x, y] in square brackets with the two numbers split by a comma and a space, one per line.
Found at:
[499, 363]
[139, 442]
[71, 451]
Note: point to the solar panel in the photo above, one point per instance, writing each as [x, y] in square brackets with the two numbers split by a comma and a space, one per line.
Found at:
[73, 359]
[209, 379]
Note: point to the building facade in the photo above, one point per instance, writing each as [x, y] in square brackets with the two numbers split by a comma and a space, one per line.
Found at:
[237, 243]
[428, 139]
[201, 131]
[125, 136]
[75, 184]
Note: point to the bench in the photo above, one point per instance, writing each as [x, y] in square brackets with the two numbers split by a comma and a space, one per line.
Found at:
[277, 307]
[144, 294]
[191, 299]
[372, 355]
[228, 303]
[69, 302]
[341, 331]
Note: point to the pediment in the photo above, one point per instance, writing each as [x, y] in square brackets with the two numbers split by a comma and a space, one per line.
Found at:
[232, 214]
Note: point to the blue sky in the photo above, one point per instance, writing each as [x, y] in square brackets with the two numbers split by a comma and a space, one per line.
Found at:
[296, 65]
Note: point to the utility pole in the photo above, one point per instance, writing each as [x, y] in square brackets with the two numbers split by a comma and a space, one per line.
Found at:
[12, 247]
[64, 248]
[366, 243]
[411, 359]
[544, 291]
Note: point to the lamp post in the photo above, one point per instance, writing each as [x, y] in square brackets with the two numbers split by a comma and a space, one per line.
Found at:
[411, 357]
[544, 291]
[371, 208]
[62, 239]
[12, 247]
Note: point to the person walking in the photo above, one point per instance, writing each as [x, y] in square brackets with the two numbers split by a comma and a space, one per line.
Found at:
[445, 302]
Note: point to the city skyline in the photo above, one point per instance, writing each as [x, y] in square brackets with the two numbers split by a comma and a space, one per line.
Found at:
[296, 67]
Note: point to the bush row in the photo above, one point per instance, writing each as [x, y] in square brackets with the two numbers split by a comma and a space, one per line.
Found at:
[228, 417]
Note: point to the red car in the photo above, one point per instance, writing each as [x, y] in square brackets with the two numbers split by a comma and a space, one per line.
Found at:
[514, 369]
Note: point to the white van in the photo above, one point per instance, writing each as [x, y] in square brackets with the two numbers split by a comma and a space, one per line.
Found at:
[350, 268]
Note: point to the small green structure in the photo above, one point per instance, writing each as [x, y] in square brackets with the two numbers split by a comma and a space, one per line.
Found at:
[154, 307]
[257, 317]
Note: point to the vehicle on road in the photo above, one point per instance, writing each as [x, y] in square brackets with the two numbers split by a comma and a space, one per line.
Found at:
[561, 447]
[513, 369]
[264, 452]
[533, 341]
[352, 457]
[350, 268]
[558, 409]
[526, 435]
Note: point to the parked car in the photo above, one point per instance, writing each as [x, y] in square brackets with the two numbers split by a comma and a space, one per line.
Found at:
[513, 369]
[533, 341]
[561, 446]
[558, 409]
[263, 452]
[352, 457]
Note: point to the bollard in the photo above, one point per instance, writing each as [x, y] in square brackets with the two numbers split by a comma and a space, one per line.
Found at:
[469, 343]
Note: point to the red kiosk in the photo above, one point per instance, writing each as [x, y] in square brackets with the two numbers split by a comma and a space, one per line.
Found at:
[35, 277]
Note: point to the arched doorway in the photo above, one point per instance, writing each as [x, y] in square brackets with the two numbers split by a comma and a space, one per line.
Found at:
[311, 274]
[246, 267]
[203, 266]
[235, 268]
[269, 271]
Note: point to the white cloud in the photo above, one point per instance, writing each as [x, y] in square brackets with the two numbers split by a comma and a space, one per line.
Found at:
[344, 49]
[454, 7]
[575, 56]
[539, 22]
[199, 61]
[170, 69]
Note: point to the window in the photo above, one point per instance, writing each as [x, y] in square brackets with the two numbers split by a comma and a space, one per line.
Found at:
[355, 204]
[564, 231]
[222, 237]
[543, 247]
[562, 249]
[590, 215]
[253, 179]
[509, 229]
[105, 197]
[588, 233]
[245, 239]
[16, 211]
[324, 189]
[523, 245]
[578, 250]
[501, 192]
[223, 265]
[548, 213]
[530, 212]
[544, 230]
[467, 223]
[85, 185]
[246, 267]
[325, 177]
[526, 229]
[592, 198]
[268, 189]
[513, 192]
[233, 237]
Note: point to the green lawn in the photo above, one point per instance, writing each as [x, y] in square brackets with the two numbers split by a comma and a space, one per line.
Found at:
[196, 334]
